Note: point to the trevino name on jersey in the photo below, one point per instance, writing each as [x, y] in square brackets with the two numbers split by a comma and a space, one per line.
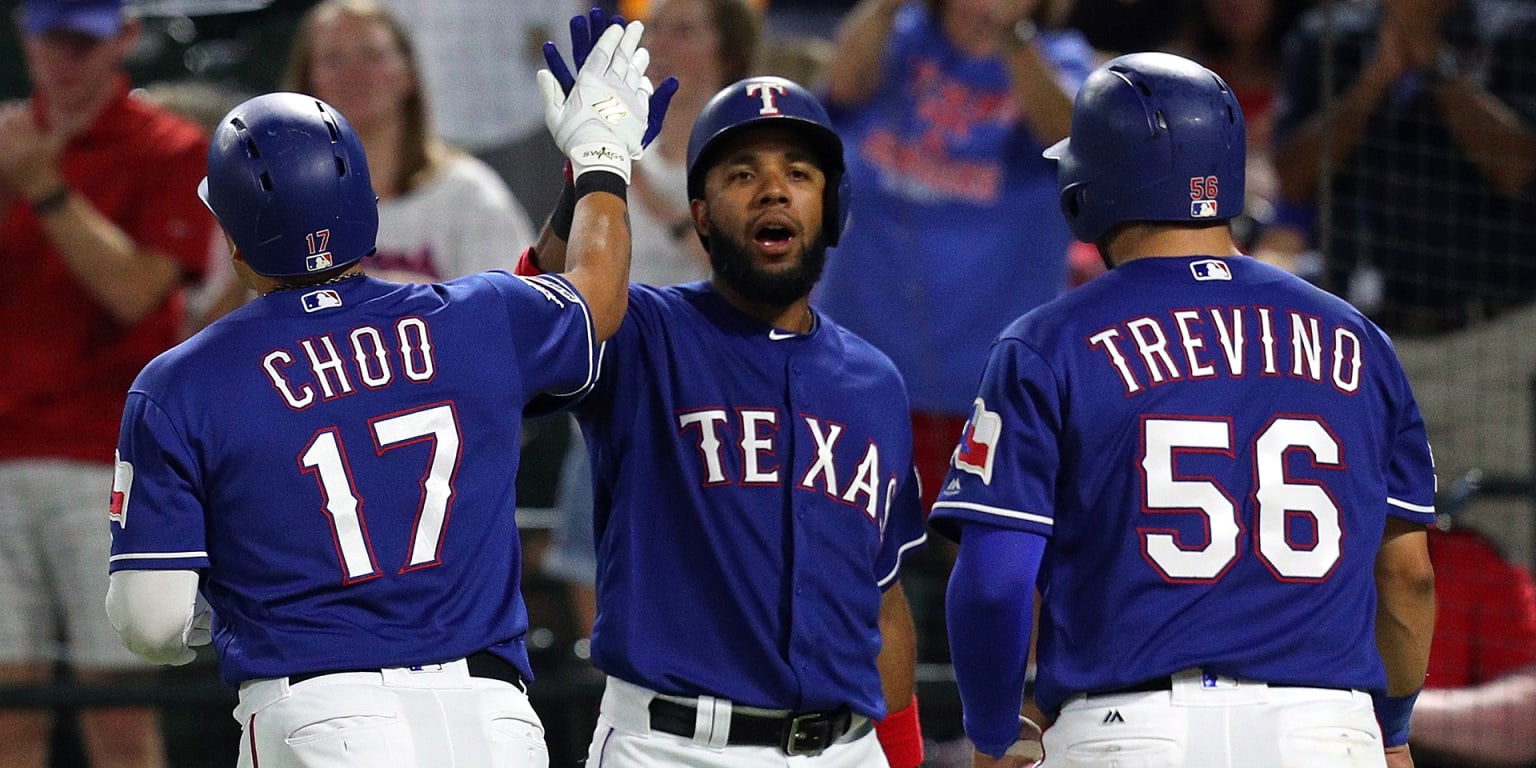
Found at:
[1250, 432]
[357, 438]
[780, 464]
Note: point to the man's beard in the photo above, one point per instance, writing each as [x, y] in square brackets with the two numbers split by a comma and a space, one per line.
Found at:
[732, 262]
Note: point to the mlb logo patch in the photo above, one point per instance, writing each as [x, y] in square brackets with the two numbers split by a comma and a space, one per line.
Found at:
[1202, 209]
[978, 444]
[318, 261]
[1211, 269]
[314, 301]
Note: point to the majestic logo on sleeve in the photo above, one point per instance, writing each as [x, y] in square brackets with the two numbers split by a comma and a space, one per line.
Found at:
[978, 444]
[122, 486]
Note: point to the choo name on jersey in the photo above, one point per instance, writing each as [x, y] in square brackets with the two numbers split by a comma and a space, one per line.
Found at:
[1230, 342]
[330, 366]
[749, 439]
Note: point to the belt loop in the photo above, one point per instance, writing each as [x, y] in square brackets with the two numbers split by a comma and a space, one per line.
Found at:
[712, 722]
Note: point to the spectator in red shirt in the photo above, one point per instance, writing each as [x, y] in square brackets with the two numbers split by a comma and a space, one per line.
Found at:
[1479, 700]
[99, 226]
[1486, 625]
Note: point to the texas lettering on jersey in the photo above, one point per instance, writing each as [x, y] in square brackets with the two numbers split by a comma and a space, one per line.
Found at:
[751, 434]
[1216, 342]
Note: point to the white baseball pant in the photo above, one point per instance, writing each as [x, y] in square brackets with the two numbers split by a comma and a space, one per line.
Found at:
[1217, 722]
[431, 717]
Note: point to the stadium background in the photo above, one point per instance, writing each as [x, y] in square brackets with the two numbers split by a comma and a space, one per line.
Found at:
[1486, 376]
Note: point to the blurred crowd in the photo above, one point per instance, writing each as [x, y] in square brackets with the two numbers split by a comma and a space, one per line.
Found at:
[1392, 150]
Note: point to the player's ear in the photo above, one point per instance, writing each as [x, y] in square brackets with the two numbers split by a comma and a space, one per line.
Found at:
[698, 210]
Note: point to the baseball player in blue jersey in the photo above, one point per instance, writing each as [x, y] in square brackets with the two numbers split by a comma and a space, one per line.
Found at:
[753, 477]
[1214, 473]
[332, 465]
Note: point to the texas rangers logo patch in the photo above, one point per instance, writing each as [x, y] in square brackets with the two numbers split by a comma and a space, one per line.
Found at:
[1210, 269]
[978, 444]
[122, 487]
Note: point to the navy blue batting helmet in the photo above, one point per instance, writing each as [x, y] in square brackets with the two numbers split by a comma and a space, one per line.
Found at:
[1155, 137]
[288, 181]
[771, 101]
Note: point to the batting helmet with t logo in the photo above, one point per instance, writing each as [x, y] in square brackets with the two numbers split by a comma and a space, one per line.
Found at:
[758, 101]
[287, 179]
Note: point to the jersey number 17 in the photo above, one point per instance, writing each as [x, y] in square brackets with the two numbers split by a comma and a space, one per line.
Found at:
[326, 458]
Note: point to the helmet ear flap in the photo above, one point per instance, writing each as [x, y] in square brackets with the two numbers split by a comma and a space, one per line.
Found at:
[1071, 202]
[835, 215]
[1075, 207]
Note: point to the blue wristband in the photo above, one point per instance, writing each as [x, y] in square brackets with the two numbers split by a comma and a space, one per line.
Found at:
[1393, 713]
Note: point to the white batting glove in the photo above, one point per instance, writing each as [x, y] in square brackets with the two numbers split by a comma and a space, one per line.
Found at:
[599, 126]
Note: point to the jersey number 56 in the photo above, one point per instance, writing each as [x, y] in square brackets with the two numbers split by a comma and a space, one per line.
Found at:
[1276, 499]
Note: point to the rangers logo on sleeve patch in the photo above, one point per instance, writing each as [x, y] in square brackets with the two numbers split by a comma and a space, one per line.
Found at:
[122, 487]
[978, 444]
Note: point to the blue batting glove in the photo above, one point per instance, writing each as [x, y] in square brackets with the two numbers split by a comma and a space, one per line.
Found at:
[659, 102]
[584, 32]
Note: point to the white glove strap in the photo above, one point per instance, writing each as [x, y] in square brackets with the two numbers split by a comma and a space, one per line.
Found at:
[600, 156]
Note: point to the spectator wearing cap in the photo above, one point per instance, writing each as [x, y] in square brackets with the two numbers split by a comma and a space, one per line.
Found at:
[99, 228]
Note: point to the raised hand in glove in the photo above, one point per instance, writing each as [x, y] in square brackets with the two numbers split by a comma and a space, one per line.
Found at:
[584, 32]
[599, 125]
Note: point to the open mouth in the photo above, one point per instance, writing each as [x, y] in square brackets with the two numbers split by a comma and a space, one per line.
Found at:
[774, 239]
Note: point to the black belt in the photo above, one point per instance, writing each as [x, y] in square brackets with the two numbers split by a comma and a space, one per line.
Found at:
[1166, 684]
[795, 734]
[482, 664]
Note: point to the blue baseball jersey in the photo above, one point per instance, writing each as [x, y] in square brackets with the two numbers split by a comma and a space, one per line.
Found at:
[1212, 447]
[754, 496]
[339, 463]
